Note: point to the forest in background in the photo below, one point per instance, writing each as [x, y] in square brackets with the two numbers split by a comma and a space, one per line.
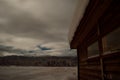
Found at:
[64, 61]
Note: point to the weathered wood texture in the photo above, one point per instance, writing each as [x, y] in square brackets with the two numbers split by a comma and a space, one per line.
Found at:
[91, 69]
[101, 17]
[112, 66]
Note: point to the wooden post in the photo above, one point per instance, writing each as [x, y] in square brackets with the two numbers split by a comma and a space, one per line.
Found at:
[101, 52]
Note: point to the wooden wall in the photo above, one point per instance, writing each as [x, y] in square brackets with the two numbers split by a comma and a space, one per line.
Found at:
[111, 66]
[91, 69]
[99, 20]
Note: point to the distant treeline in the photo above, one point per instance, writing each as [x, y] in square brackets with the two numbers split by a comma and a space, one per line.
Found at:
[38, 61]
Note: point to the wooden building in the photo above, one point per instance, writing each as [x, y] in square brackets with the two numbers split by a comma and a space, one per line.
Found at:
[97, 40]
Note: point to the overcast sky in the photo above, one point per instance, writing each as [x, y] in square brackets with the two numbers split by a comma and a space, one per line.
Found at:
[37, 26]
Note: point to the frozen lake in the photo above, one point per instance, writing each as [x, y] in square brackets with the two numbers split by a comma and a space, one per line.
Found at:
[38, 73]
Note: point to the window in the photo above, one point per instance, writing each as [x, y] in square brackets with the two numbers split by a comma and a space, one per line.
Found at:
[111, 42]
[93, 50]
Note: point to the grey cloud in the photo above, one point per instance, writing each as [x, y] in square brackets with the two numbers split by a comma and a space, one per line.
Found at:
[22, 23]
[11, 49]
[44, 20]
[5, 48]
[61, 52]
[43, 51]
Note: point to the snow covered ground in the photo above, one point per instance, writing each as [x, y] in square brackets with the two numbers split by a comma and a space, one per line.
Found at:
[38, 73]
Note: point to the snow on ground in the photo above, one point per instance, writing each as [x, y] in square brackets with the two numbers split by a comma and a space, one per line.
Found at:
[38, 73]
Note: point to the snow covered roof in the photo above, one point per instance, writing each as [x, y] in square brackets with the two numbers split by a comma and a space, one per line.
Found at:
[77, 17]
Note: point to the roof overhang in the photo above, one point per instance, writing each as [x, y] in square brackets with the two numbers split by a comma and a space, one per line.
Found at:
[93, 12]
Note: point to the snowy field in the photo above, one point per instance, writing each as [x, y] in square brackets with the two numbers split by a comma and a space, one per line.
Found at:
[38, 73]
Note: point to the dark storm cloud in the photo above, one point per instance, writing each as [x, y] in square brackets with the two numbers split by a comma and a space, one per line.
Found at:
[10, 50]
[5, 48]
[27, 23]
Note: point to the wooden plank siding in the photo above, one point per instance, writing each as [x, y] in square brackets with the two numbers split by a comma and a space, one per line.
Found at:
[101, 18]
[112, 66]
[91, 70]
